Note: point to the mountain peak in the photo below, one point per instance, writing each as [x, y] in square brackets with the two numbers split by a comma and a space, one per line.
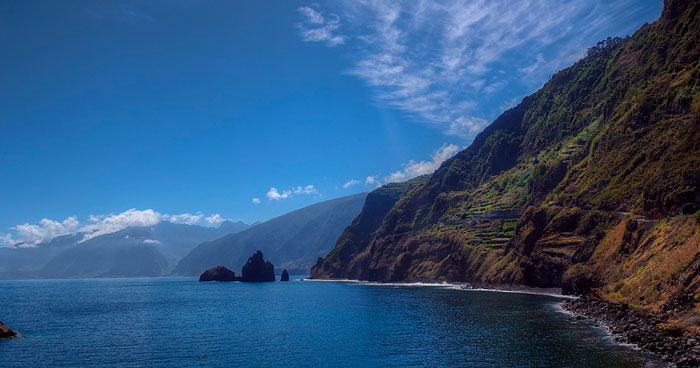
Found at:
[229, 226]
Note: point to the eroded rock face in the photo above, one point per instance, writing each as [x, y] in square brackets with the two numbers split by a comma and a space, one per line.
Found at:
[285, 275]
[257, 269]
[219, 273]
[5, 332]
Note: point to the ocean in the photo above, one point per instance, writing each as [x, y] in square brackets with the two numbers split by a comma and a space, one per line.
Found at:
[179, 322]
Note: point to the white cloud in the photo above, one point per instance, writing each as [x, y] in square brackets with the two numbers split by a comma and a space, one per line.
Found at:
[114, 223]
[466, 127]
[184, 218]
[274, 194]
[312, 16]
[256, 200]
[534, 67]
[509, 104]
[95, 218]
[150, 241]
[453, 62]
[317, 28]
[7, 239]
[351, 183]
[309, 189]
[29, 235]
[214, 219]
[373, 181]
[413, 168]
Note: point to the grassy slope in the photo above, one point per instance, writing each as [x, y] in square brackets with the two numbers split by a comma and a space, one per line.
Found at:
[615, 137]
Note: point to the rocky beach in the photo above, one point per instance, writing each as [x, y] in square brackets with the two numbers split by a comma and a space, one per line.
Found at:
[635, 326]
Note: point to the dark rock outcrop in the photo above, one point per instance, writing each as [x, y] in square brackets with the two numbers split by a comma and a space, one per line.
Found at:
[219, 273]
[285, 276]
[257, 269]
[6, 333]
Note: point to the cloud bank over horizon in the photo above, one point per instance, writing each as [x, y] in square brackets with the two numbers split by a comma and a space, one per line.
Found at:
[30, 235]
[458, 64]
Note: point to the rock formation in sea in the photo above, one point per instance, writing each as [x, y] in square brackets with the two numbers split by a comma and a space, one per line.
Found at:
[5, 332]
[257, 269]
[285, 275]
[299, 238]
[219, 273]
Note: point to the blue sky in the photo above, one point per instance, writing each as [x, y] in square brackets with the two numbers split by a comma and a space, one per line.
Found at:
[196, 110]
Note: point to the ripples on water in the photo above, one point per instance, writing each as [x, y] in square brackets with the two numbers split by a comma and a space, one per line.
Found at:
[173, 321]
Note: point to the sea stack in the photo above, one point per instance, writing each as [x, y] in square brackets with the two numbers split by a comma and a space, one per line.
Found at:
[219, 273]
[5, 332]
[257, 270]
[285, 275]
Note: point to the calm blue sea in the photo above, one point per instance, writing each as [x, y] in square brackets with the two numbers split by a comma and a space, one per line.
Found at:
[173, 322]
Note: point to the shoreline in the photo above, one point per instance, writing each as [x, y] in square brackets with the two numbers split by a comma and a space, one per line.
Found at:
[623, 325]
[511, 289]
[639, 329]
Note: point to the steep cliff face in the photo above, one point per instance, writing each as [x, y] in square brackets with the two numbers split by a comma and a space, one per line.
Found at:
[356, 236]
[613, 141]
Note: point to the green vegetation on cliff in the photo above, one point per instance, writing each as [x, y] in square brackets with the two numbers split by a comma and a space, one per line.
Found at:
[565, 189]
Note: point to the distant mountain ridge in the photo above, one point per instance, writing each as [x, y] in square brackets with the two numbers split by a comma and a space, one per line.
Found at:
[293, 241]
[134, 251]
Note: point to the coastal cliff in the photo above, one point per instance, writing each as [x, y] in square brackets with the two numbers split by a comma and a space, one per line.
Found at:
[584, 185]
[355, 238]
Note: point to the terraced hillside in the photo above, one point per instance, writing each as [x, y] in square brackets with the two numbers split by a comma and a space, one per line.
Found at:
[580, 186]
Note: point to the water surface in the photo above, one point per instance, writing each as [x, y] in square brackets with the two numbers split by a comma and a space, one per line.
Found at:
[171, 322]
